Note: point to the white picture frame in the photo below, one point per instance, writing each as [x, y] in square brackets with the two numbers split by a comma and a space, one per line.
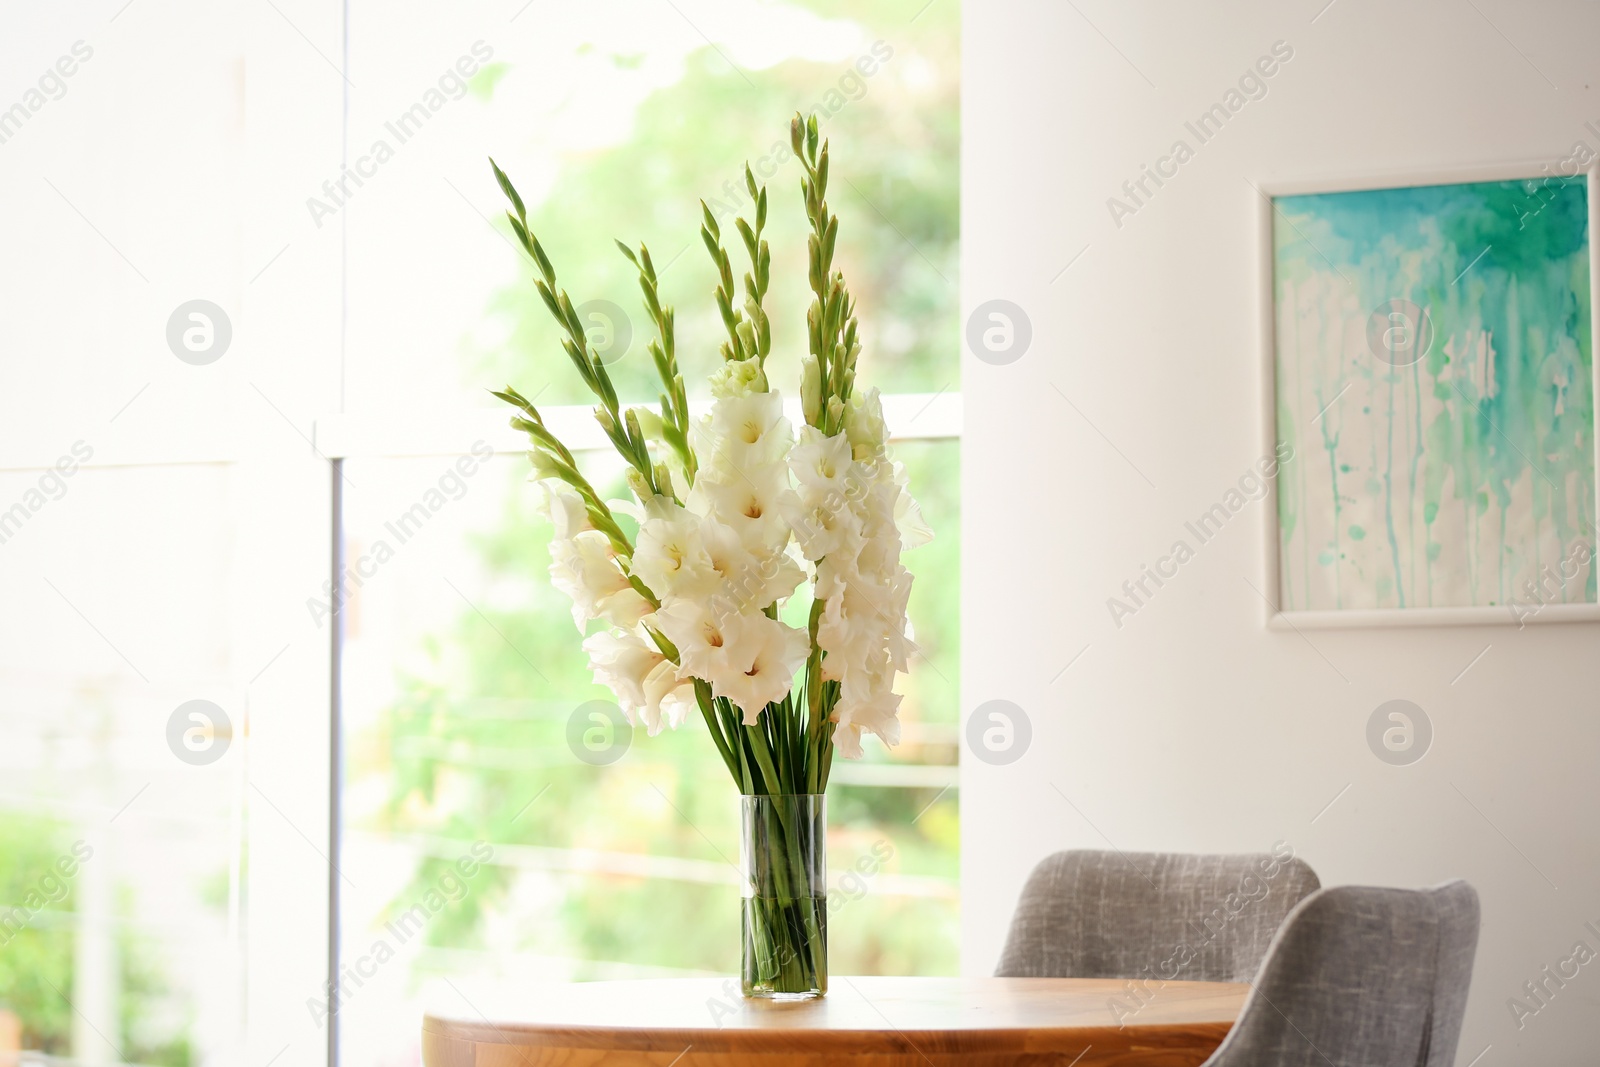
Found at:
[1271, 574]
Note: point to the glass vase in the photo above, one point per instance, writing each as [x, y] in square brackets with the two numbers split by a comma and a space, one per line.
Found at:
[783, 867]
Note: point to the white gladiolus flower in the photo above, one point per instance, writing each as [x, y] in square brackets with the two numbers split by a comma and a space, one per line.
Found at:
[914, 529]
[649, 688]
[563, 509]
[897, 639]
[625, 608]
[671, 557]
[863, 423]
[752, 507]
[747, 658]
[749, 582]
[763, 657]
[880, 552]
[621, 661]
[877, 714]
[748, 419]
[835, 574]
[783, 573]
[728, 557]
[704, 637]
[738, 378]
[818, 530]
[584, 568]
[747, 431]
[669, 697]
[822, 464]
[836, 638]
[631, 508]
[820, 527]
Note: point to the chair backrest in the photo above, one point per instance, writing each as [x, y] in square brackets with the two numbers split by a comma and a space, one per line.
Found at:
[1457, 904]
[1166, 916]
[1361, 975]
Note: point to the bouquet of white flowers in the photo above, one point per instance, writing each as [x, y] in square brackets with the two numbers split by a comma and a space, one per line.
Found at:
[734, 514]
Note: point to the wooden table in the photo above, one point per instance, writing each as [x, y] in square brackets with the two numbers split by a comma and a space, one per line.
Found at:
[867, 1022]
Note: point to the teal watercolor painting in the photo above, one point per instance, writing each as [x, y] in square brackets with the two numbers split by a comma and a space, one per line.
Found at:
[1434, 375]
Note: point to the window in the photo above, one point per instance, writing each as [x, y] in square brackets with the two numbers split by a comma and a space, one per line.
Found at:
[120, 861]
[468, 728]
[335, 207]
[139, 495]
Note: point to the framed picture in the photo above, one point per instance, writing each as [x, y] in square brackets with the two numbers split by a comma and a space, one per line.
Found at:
[1429, 368]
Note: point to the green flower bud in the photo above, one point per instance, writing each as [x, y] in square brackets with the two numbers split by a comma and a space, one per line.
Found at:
[544, 465]
[640, 487]
[649, 423]
[811, 389]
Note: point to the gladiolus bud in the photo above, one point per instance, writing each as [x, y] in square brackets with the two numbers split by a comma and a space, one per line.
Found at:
[640, 487]
[544, 465]
[648, 421]
[811, 389]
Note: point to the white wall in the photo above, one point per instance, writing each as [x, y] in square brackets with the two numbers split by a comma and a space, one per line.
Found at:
[1192, 727]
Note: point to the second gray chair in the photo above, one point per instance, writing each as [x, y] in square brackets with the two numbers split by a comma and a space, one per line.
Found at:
[1166, 916]
[1361, 976]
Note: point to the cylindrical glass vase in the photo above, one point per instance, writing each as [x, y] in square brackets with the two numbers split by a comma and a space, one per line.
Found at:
[783, 866]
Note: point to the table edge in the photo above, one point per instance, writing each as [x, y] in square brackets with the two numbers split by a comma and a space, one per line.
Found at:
[1008, 1035]
[775, 1039]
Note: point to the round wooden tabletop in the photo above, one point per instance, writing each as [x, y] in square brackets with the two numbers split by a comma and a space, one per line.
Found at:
[881, 1022]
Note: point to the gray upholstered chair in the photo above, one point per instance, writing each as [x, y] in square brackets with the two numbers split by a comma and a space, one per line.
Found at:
[1361, 976]
[1154, 915]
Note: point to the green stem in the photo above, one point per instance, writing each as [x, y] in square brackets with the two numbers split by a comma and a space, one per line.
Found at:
[762, 751]
[703, 697]
[785, 916]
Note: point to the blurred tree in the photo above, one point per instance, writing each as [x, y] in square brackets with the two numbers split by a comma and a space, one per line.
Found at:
[36, 957]
[36, 961]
